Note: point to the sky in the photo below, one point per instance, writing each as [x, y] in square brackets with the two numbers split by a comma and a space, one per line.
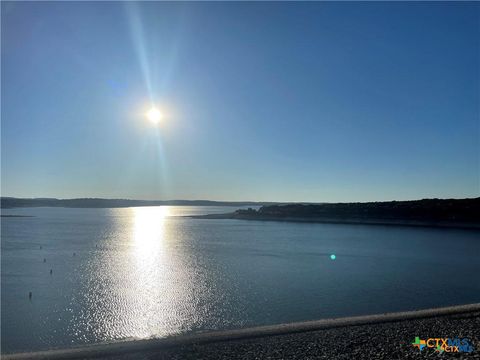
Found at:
[262, 101]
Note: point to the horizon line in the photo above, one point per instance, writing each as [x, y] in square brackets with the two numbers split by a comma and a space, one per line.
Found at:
[235, 201]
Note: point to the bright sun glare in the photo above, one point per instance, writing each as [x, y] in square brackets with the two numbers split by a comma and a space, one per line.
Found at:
[149, 228]
[154, 115]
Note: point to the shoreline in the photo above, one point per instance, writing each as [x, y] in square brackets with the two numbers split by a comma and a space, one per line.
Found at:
[348, 221]
[15, 216]
[255, 334]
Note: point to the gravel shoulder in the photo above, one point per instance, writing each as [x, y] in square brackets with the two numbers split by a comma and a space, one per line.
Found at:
[391, 340]
[382, 336]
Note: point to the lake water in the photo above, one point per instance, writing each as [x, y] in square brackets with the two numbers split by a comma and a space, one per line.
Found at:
[148, 272]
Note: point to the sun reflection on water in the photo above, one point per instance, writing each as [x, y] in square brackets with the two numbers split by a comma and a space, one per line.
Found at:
[149, 230]
[145, 282]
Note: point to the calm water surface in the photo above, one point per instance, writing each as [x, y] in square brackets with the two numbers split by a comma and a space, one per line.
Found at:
[148, 272]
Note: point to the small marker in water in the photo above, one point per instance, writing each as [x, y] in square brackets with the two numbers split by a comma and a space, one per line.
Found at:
[44, 260]
[333, 257]
[30, 295]
[51, 271]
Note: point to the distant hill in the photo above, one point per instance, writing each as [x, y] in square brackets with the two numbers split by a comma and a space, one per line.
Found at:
[11, 202]
[445, 212]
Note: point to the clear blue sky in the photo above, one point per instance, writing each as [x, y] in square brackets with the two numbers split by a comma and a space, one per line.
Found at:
[264, 101]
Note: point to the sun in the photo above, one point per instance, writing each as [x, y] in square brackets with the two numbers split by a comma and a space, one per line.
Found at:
[154, 115]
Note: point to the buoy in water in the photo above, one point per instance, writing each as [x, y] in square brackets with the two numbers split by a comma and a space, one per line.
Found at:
[30, 295]
[51, 271]
[44, 260]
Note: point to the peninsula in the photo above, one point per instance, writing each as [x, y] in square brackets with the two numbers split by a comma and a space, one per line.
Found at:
[464, 213]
